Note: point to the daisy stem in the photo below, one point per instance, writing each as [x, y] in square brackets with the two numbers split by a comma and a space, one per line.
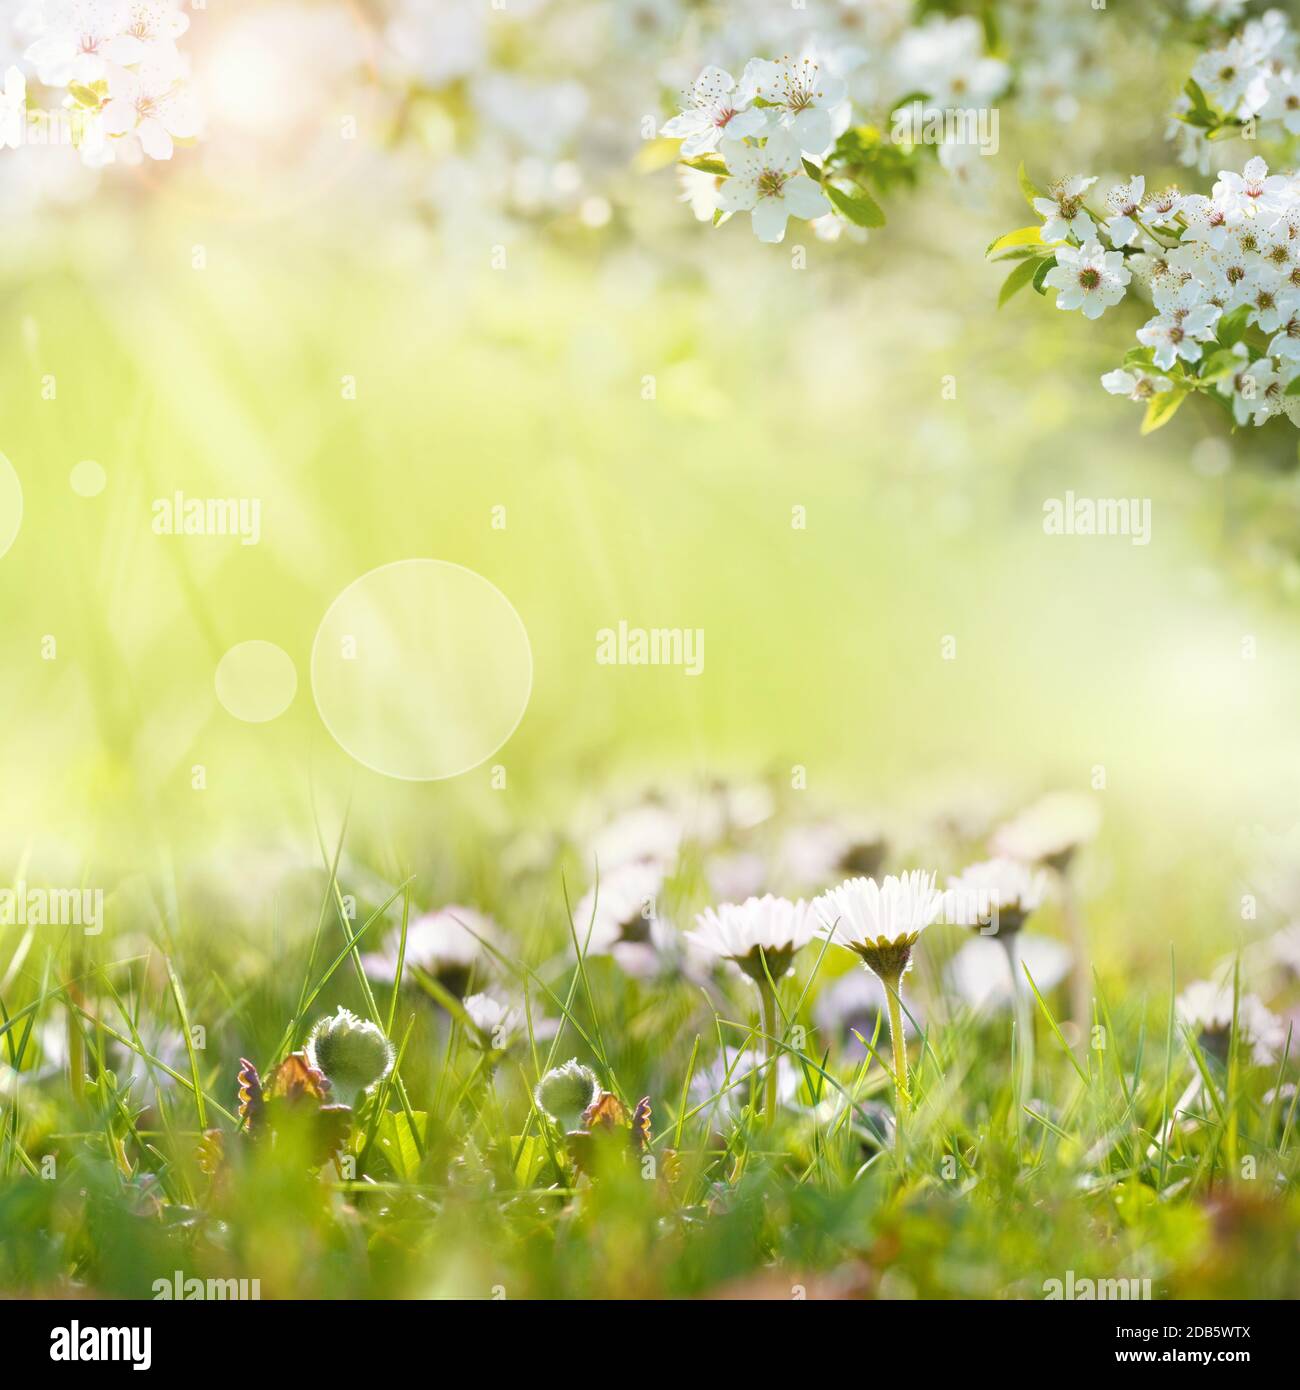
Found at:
[900, 1045]
[1024, 1019]
[768, 997]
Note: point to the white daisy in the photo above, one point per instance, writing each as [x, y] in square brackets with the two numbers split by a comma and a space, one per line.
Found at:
[880, 921]
[620, 907]
[981, 972]
[1206, 1009]
[1050, 830]
[446, 944]
[497, 1024]
[759, 930]
[996, 896]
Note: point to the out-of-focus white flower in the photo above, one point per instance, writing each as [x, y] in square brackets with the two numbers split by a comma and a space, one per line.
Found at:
[1284, 101]
[437, 43]
[714, 109]
[760, 935]
[981, 975]
[731, 1080]
[1206, 1009]
[497, 1024]
[1232, 80]
[855, 1001]
[765, 183]
[1050, 830]
[13, 110]
[445, 944]
[1284, 948]
[650, 833]
[818, 854]
[1088, 278]
[1063, 211]
[995, 896]
[880, 922]
[945, 59]
[736, 875]
[152, 104]
[620, 907]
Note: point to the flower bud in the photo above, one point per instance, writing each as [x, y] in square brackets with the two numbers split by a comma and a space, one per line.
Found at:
[352, 1052]
[565, 1092]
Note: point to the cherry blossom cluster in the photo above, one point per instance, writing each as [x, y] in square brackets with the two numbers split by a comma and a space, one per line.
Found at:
[106, 76]
[1247, 83]
[809, 137]
[1222, 273]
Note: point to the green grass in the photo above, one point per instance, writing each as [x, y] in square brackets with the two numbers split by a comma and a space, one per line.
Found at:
[452, 1183]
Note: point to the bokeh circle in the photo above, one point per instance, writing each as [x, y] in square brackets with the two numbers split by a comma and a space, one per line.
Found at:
[421, 669]
[87, 478]
[256, 681]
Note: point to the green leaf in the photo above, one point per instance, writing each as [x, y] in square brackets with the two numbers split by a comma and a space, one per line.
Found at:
[1027, 185]
[1232, 326]
[1020, 253]
[1040, 275]
[859, 207]
[1022, 236]
[1139, 357]
[1294, 388]
[812, 170]
[83, 95]
[1222, 363]
[398, 1144]
[1022, 275]
[708, 166]
[1196, 96]
[1161, 408]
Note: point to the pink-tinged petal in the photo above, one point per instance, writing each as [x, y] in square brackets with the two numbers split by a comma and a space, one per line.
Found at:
[804, 198]
[119, 117]
[769, 220]
[154, 139]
